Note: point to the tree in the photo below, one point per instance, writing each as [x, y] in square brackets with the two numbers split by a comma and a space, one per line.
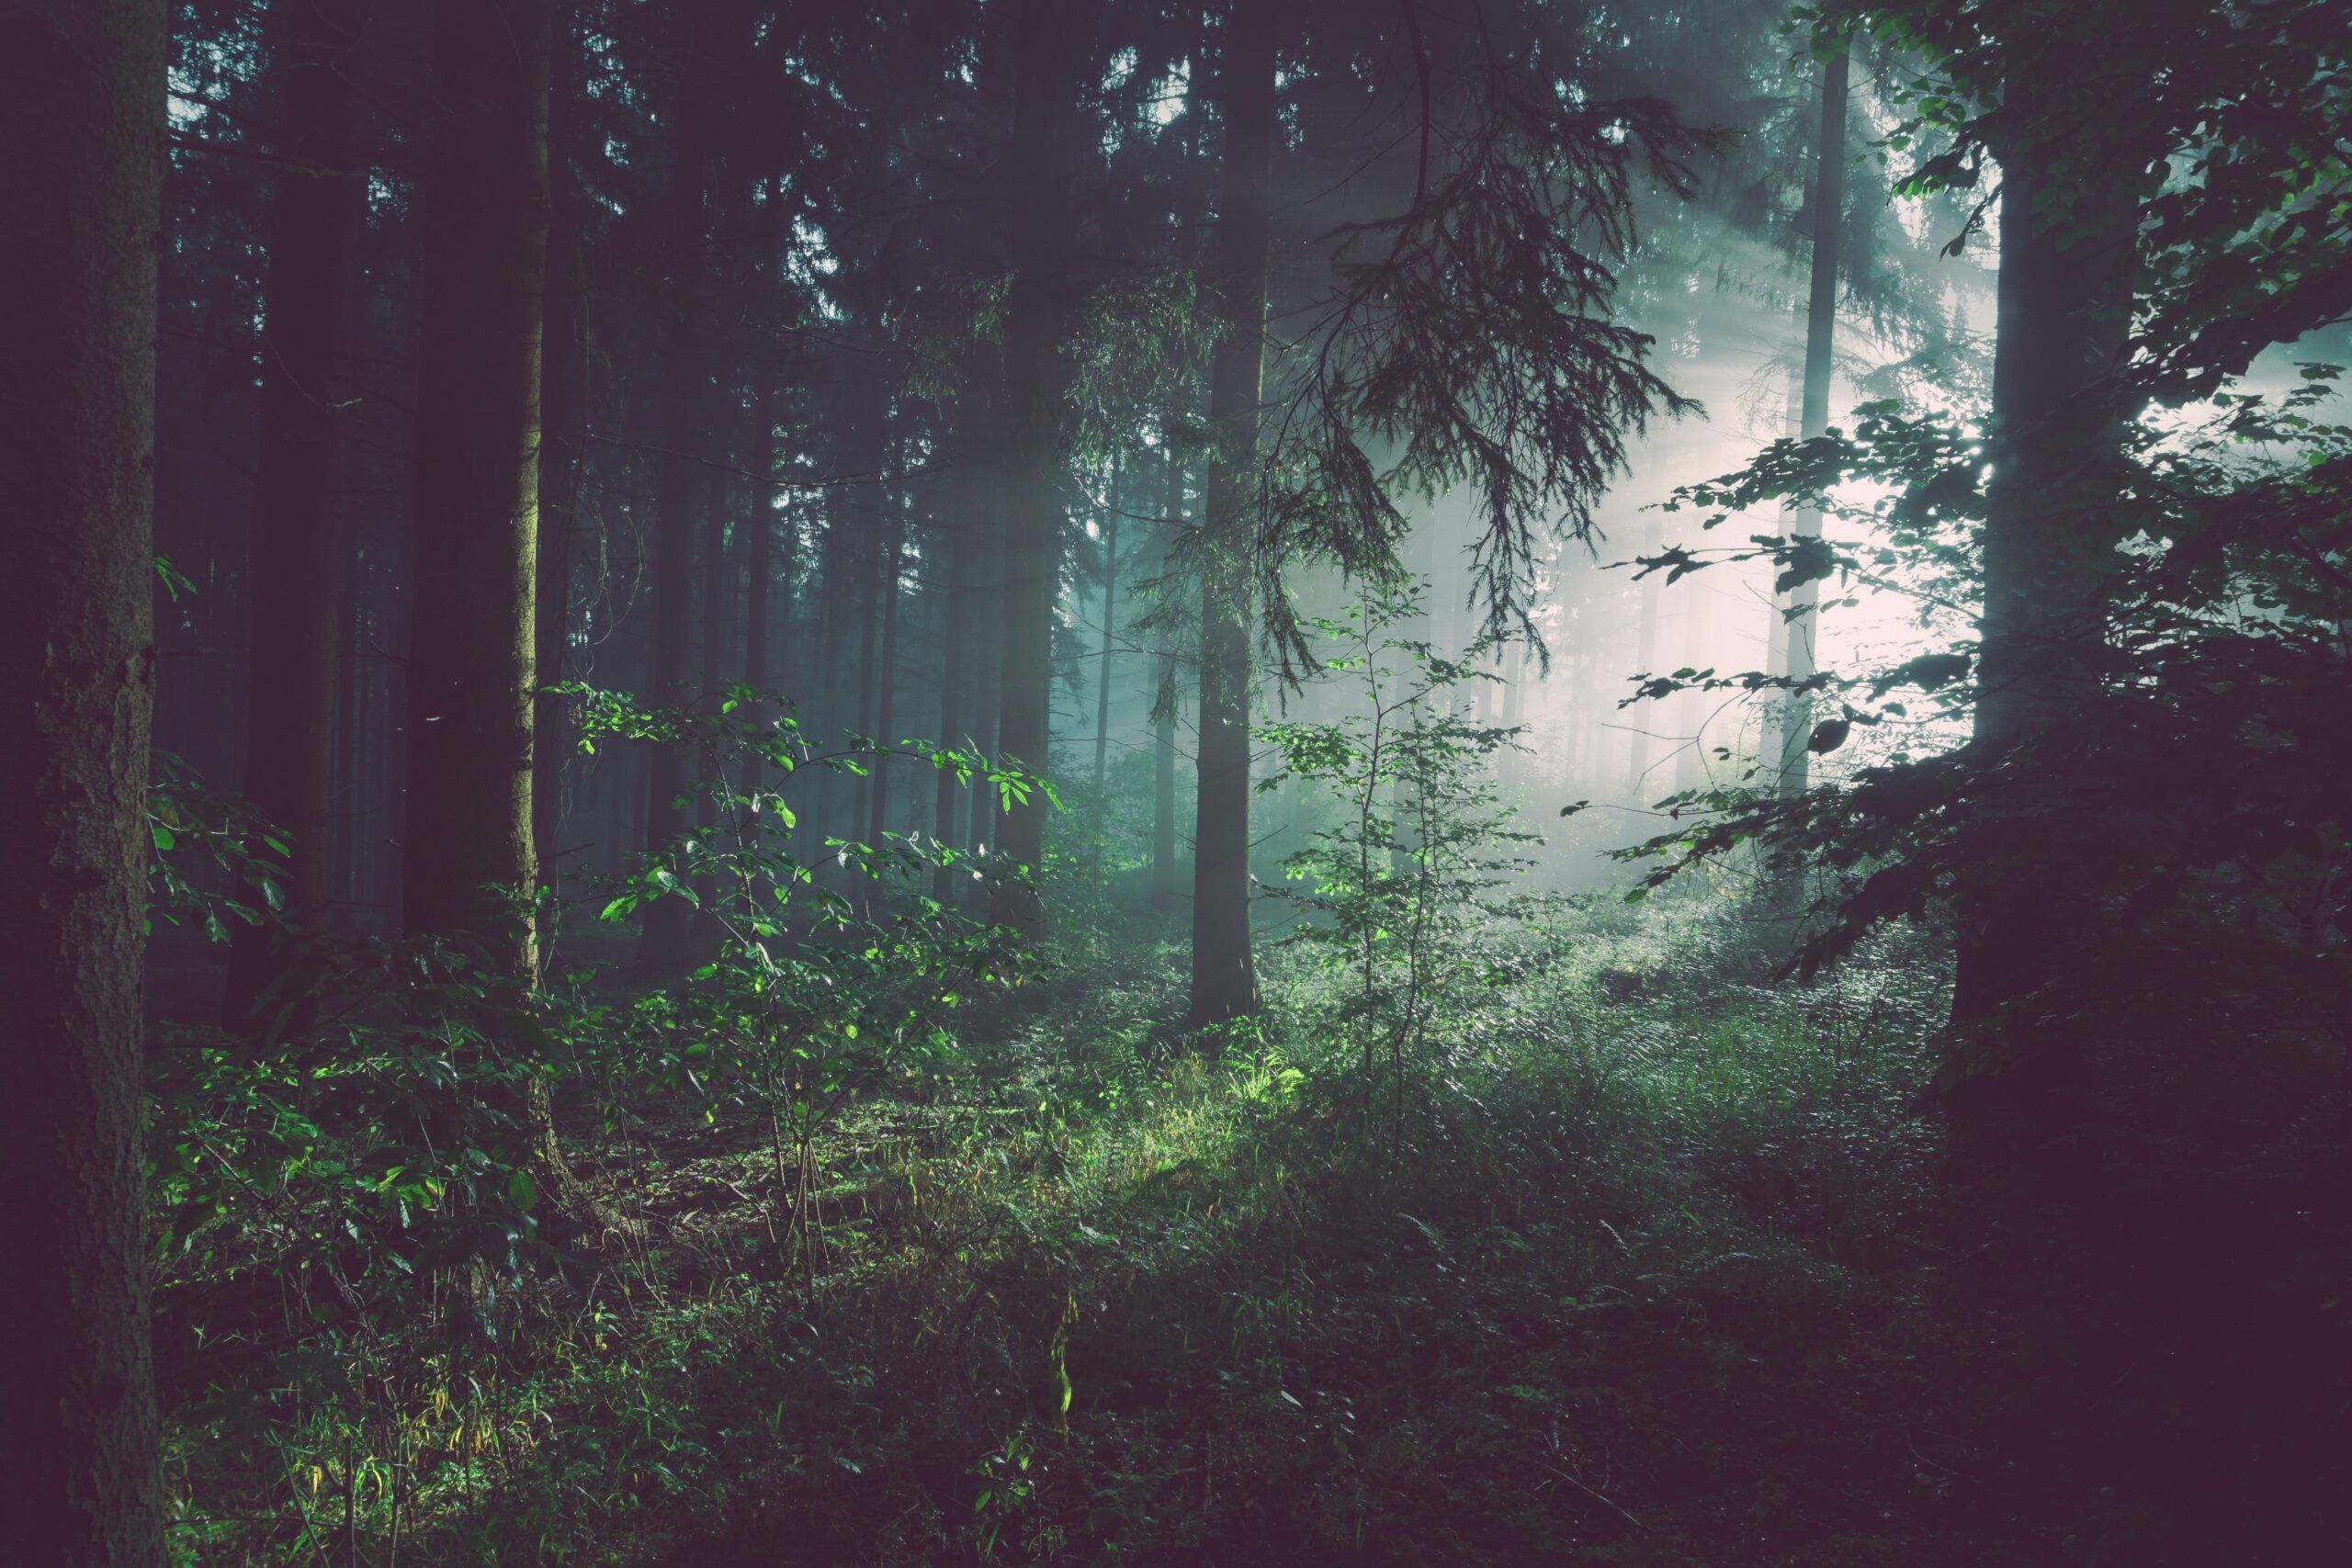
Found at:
[317, 212]
[466, 841]
[1052, 47]
[80, 1483]
[1225, 975]
[684, 405]
[1800, 615]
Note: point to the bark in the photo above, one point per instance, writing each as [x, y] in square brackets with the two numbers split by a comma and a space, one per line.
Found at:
[80, 1481]
[2024, 919]
[298, 546]
[887, 675]
[667, 936]
[1102, 674]
[1645, 655]
[1224, 978]
[1050, 57]
[561, 452]
[1165, 882]
[759, 549]
[1794, 773]
[466, 847]
[954, 659]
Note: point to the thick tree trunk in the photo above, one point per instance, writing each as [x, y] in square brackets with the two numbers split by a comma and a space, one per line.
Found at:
[1225, 976]
[2024, 919]
[82, 126]
[669, 923]
[1051, 52]
[298, 556]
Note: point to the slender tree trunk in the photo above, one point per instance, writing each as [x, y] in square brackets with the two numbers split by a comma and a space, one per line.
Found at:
[468, 839]
[1166, 885]
[887, 675]
[562, 450]
[466, 843]
[954, 659]
[984, 703]
[710, 681]
[1645, 655]
[1102, 676]
[1050, 59]
[1225, 976]
[1793, 777]
[80, 1481]
[760, 547]
[669, 923]
[870, 547]
[297, 558]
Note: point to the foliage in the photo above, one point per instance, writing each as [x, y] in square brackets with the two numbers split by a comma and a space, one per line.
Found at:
[1401, 888]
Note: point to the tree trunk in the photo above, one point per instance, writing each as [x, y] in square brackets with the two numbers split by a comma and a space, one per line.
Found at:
[760, 549]
[1794, 775]
[955, 658]
[2024, 919]
[669, 923]
[887, 673]
[1102, 674]
[80, 1481]
[1225, 978]
[1050, 57]
[1166, 885]
[562, 450]
[297, 551]
[1637, 784]
[466, 847]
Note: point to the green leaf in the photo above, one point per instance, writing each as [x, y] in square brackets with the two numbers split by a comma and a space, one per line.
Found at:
[522, 1191]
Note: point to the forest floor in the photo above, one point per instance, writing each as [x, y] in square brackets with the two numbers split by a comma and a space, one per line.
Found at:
[1656, 1269]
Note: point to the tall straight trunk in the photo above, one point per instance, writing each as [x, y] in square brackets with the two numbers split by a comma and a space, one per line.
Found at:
[1102, 674]
[669, 923]
[985, 703]
[1049, 67]
[1225, 975]
[710, 679]
[1801, 658]
[870, 547]
[834, 568]
[80, 1481]
[760, 561]
[2025, 916]
[955, 659]
[466, 841]
[885, 675]
[1165, 882]
[1645, 655]
[1514, 707]
[297, 558]
[562, 450]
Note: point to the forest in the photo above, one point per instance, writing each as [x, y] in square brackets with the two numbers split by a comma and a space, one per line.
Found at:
[1176, 782]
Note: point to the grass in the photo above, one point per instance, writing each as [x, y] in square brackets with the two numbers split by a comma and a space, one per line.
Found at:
[1656, 1273]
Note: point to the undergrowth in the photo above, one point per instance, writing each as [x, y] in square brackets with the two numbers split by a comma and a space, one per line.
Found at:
[1640, 1277]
